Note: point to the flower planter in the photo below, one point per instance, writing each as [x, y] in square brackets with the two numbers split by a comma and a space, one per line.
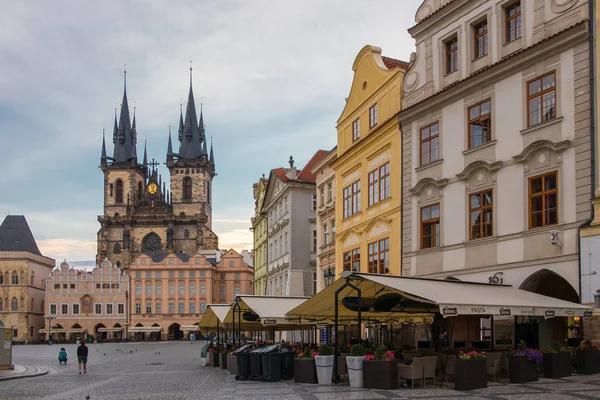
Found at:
[324, 366]
[557, 365]
[588, 362]
[305, 370]
[380, 374]
[470, 374]
[522, 370]
[232, 364]
[355, 371]
[223, 361]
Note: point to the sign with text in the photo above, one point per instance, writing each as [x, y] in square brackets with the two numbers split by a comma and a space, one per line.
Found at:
[269, 322]
[324, 335]
[451, 310]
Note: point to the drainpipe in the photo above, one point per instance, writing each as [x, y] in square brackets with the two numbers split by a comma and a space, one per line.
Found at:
[401, 196]
[592, 52]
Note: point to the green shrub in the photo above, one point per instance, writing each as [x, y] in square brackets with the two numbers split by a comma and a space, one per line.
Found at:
[357, 350]
[325, 350]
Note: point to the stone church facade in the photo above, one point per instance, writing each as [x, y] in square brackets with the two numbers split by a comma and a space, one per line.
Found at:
[143, 216]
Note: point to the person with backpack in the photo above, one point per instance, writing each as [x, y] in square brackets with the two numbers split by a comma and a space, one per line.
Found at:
[82, 354]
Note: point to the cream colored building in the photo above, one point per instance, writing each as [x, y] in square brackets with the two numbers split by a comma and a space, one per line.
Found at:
[170, 292]
[80, 303]
[259, 235]
[325, 178]
[495, 124]
[22, 272]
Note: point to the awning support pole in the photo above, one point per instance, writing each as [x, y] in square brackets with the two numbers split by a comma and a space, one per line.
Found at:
[233, 325]
[492, 332]
[301, 331]
[218, 341]
[239, 322]
[451, 345]
[335, 334]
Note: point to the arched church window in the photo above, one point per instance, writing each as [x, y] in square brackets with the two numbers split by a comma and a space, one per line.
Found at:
[1, 279]
[14, 304]
[15, 278]
[187, 188]
[186, 233]
[208, 192]
[140, 190]
[1, 305]
[119, 191]
[151, 244]
[118, 264]
[117, 248]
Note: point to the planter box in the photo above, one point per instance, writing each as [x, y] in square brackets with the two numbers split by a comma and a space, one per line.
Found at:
[522, 370]
[305, 370]
[557, 365]
[470, 374]
[588, 362]
[380, 374]
[355, 371]
[232, 364]
[324, 366]
[223, 361]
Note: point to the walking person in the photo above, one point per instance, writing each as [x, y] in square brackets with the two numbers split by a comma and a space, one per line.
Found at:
[82, 354]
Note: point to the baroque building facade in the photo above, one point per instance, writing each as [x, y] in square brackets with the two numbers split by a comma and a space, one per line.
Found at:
[496, 144]
[23, 269]
[367, 168]
[290, 206]
[259, 236]
[142, 216]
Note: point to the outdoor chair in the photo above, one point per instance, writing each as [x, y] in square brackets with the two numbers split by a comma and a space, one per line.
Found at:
[450, 366]
[410, 354]
[493, 363]
[421, 368]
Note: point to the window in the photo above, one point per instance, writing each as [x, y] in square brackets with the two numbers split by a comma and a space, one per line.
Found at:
[202, 308]
[203, 289]
[192, 274]
[75, 309]
[329, 191]
[138, 274]
[222, 277]
[543, 200]
[117, 248]
[202, 274]
[379, 184]
[481, 214]
[232, 263]
[237, 276]
[379, 257]
[352, 260]
[480, 124]
[157, 274]
[236, 291]
[158, 290]
[138, 290]
[121, 308]
[171, 289]
[373, 115]
[314, 240]
[222, 292]
[430, 226]
[171, 273]
[314, 201]
[148, 308]
[513, 21]
[325, 235]
[148, 275]
[138, 308]
[158, 308]
[14, 305]
[98, 309]
[322, 195]
[430, 144]
[480, 33]
[181, 274]
[181, 308]
[192, 308]
[356, 130]
[148, 290]
[171, 308]
[109, 309]
[187, 188]
[541, 99]
[52, 309]
[57, 286]
[64, 309]
[181, 289]
[352, 199]
[14, 278]
[192, 290]
[451, 55]
[119, 198]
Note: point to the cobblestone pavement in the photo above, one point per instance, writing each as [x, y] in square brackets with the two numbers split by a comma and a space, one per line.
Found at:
[172, 371]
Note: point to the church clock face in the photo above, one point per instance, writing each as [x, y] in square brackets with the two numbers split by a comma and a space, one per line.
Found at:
[152, 188]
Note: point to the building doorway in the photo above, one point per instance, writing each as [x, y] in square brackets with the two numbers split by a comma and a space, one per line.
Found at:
[100, 332]
[155, 336]
[175, 333]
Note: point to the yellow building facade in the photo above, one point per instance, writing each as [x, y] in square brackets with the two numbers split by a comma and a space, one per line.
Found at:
[368, 168]
[259, 232]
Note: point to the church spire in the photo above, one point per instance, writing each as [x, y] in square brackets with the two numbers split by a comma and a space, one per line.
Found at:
[169, 148]
[180, 137]
[103, 158]
[134, 140]
[124, 138]
[211, 160]
[145, 154]
[190, 145]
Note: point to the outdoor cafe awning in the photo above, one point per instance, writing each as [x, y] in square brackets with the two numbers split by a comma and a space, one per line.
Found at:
[394, 297]
[110, 329]
[214, 313]
[62, 330]
[188, 327]
[265, 312]
[144, 329]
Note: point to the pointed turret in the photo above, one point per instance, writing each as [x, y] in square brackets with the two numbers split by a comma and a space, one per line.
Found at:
[133, 141]
[115, 129]
[190, 145]
[145, 155]
[180, 137]
[169, 148]
[124, 138]
[212, 157]
[103, 158]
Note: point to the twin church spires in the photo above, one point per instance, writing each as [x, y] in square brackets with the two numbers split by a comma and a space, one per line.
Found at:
[192, 136]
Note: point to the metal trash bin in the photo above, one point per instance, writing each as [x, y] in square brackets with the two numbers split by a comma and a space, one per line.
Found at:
[242, 356]
[256, 364]
[287, 363]
[271, 363]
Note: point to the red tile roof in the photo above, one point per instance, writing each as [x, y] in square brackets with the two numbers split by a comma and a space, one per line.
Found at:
[306, 175]
[281, 173]
[393, 63]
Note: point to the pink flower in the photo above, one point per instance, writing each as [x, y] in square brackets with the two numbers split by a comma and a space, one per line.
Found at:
[369, 357]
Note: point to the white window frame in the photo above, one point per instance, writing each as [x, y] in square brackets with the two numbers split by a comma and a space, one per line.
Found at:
[203, 290]
[55, 309]
[73, 309]
[118, 305]
[112, 306]
[96, 308]
[61, 308]
[158, 308]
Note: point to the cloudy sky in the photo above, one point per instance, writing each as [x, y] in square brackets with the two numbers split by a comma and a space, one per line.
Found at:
[273, 76]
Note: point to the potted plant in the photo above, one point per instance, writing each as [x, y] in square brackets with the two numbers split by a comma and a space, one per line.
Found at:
[223, 358]
[324, 364]
[523, 365]
[470, 371]
[587, 358]
[344, 350]
[557, 361]
[355, 365]
[380, 370]
[304, 367]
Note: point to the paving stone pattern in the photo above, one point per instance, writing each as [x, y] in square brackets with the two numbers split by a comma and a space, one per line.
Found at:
[172, 371]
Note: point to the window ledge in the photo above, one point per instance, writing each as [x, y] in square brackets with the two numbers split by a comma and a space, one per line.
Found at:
[542, 229]
[379, 202]
[479, 241]
[483, 146]
[422, 167]
[542, 125]
[429, 250]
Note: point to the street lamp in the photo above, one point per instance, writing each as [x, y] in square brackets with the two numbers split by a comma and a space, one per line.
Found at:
[329, 277]
[49, 318]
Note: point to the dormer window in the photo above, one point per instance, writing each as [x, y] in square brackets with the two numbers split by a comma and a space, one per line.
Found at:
[451, 55]
[480, 32]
